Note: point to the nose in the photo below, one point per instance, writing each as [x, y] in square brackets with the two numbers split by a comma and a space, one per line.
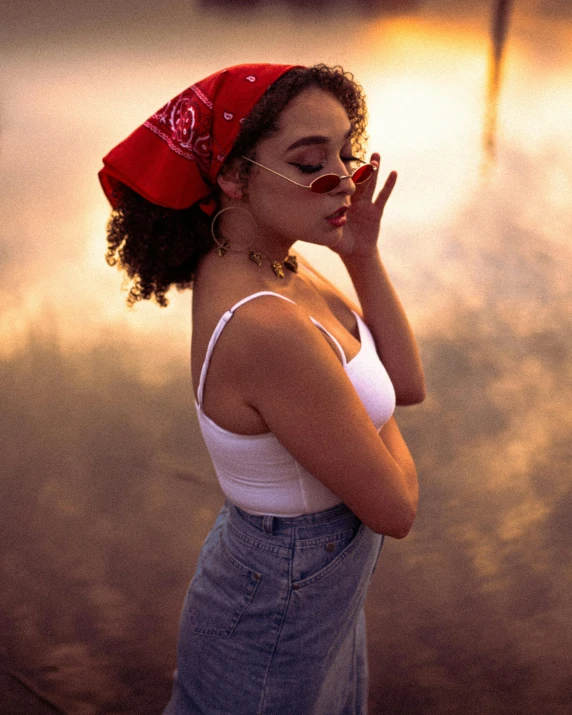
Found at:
[346, 187]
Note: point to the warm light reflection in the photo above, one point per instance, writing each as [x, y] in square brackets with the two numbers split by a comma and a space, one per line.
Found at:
[426, 86]
[501, 12]
[107, 490]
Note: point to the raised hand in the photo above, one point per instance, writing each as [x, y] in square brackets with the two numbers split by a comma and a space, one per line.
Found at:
[361, 231]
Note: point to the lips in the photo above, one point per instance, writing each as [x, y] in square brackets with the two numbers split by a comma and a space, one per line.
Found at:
[339, 213]
[338, 218]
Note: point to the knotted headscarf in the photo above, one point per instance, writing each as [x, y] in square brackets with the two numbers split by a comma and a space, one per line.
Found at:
[173, 159]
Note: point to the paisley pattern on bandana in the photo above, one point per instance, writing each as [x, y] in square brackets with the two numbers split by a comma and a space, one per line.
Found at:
[174, 157]
[184, 128]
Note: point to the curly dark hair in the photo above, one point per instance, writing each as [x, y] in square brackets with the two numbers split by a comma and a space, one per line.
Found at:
[160, 247]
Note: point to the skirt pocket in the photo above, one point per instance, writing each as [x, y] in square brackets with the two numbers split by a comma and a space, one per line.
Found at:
[315, 559]
[220, 592]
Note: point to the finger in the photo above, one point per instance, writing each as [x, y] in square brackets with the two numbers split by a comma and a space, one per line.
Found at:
[375, 159]
[366, 190]
[385, 192]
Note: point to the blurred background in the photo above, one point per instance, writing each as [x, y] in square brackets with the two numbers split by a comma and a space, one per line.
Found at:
[107, 493]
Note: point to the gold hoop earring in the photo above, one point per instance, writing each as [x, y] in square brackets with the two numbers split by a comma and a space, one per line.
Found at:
[224, 246]
[290, 262]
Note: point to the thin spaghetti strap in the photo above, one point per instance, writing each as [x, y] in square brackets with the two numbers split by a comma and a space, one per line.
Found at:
[224, 320]
[334, 340]
[256, 295]
[216, 334]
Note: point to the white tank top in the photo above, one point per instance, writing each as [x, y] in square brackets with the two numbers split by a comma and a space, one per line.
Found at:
[255, 471]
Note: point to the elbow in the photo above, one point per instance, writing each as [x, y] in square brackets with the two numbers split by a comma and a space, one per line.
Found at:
[402, 531]
[411, 395]
[399, 527]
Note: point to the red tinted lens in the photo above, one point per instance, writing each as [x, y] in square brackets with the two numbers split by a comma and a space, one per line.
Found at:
[325, 184]
[363, 173]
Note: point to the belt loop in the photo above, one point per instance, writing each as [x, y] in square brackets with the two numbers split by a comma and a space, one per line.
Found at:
[267, 524]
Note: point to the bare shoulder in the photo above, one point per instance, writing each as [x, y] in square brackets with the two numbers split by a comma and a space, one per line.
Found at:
[270, 329]
[275, 347]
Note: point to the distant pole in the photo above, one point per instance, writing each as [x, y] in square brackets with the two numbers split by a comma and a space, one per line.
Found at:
[499, 31]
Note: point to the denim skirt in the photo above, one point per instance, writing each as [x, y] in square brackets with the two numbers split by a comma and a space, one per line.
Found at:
[273, 620]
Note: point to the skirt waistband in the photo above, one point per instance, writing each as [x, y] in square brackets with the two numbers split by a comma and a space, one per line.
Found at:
[305, 526]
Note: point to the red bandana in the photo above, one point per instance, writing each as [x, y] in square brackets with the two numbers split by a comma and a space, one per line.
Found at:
[173, 159]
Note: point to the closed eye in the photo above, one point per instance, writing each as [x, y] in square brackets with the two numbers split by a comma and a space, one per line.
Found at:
[308, 168]
[314, 168]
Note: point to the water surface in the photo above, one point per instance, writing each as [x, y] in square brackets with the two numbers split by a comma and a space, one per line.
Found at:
[107, 492]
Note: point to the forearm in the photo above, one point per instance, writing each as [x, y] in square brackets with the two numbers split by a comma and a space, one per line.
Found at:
[385, 317]
[395, 444]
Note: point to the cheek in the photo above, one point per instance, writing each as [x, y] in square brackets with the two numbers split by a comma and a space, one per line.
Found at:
[304, 203]
[295, 209]
[290, 211]
[303, 216]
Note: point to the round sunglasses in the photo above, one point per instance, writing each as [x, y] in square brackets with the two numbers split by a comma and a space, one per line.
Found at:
[328, 182]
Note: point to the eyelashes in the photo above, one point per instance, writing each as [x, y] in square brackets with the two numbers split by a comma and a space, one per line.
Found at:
[308, 168]
[314, 168]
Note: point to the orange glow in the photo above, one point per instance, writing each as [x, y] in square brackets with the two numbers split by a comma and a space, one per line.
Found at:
[426, 84]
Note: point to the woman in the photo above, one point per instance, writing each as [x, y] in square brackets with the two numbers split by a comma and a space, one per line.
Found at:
[295, 387]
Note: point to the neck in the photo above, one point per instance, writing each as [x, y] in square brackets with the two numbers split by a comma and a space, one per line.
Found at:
[235, 230]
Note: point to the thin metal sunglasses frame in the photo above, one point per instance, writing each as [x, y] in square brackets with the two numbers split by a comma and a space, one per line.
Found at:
[312, 185]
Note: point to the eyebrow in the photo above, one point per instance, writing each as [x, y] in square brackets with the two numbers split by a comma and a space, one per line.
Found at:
[315, 139]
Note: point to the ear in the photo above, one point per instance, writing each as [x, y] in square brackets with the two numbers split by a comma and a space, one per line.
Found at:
[230, 182]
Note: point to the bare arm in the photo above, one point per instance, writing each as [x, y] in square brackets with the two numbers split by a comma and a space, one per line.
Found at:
[385, 317]
[382, 309]
[395, 444]
[294, 380]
